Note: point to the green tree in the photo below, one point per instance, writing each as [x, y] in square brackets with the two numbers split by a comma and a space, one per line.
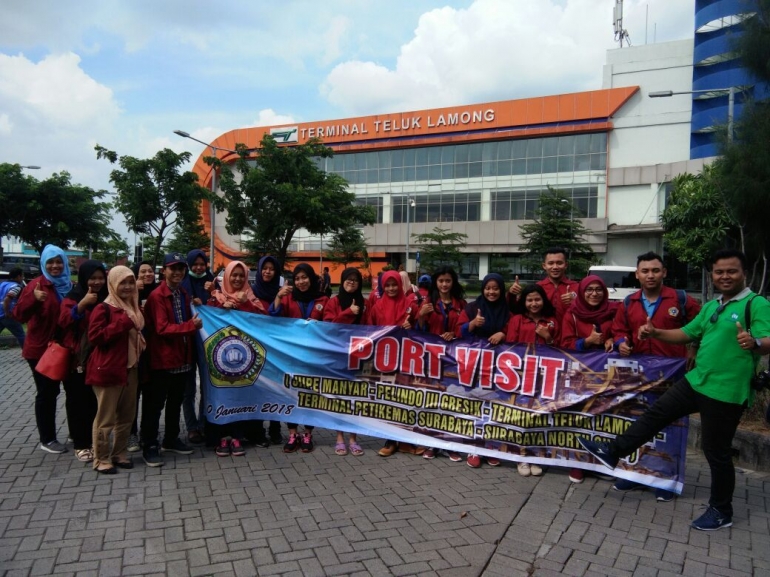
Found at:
[153, 194]
[284, 191]
[441, 247]
[53, 210]
[501, 266]
[188, 235]
[255, 248]
[348, 245]
[697, 219]
[111, 251]
[556, 223]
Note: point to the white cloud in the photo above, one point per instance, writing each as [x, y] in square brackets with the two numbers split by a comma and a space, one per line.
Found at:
[5, 124]
[495, 49]
[269, 117]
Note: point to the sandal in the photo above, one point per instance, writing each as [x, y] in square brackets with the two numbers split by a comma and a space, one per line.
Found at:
[340, 449]
[84, 455]
[356, 450]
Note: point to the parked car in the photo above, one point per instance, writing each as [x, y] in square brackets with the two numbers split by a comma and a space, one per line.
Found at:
[620, 280]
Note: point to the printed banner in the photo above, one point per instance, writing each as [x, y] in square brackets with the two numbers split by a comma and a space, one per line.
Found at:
[515, 402]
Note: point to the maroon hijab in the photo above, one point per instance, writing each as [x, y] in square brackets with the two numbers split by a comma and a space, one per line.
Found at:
[585, 312]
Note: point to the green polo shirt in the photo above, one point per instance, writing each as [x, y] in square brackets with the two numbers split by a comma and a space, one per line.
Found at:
[723, 370]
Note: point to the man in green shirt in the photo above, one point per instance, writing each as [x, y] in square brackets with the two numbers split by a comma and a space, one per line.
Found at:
[719, 387]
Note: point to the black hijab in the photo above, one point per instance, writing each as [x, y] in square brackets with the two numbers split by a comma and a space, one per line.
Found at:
[147, 288]
[85, 272]
[310, 294]
[495, 313]
[356, 297]
[267, 290]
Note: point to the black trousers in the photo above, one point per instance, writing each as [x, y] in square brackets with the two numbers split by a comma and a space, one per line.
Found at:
[164, 389]
[719, 420]
[45, 404]
[81, 408]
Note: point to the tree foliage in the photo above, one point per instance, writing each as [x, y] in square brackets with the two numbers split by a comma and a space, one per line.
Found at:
[556, 223]
[188, 235]
[346, 246]
[53, 210]
[153, 194]
[282, 190]
[440, 248]
[111, 251]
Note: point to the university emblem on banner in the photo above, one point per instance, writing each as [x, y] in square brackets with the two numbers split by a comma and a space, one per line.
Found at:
[235, 359]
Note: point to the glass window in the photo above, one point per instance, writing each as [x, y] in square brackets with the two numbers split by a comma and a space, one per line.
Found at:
[503, 167]
[371, 159]
[433, 209]
[599, 142]
[474, 206]
[535, 148]
[550, 164]
[409, 157]
[352, 176]
[534, 165]
[434, 172]
[461, 153]
[396, 174]
[474, 169]
[420, 210]
[384, 158]
[566, 163]
[599, 161]
[582, 162]
[501, 205]
[371, 176]
[350, 162]
[474, 152]
[385, 175]
[504, 150]
[519, 167]
[518, 149]
[447, 154]
[375, 202]
[489, 151]
[550, 146]
[338, 163]
[422, 173]
[447, 171]
[489, 168]
[397, 158]
[582, 144]
[421, 157]
[434, 155]
[409, 173]
[461, 170]
[566, 145]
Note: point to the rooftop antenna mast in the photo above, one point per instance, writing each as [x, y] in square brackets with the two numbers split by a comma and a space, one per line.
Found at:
[621, 34]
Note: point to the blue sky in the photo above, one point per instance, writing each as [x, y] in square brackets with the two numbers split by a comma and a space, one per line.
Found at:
[126, 74]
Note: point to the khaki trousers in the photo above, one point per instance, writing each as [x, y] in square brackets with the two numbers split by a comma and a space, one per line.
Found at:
[115, 414]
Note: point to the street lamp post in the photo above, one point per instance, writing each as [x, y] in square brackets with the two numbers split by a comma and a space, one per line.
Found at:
[212, 209]
[409, 204]
[717, 92]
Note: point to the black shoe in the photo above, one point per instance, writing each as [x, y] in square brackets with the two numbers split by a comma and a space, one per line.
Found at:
[274, 432]
[152, 457]
[176, 446]
[600, 452]
[293, 443]
[712, 520]
[261, 442]
[306, 442]
[108, 471]
[124, 464]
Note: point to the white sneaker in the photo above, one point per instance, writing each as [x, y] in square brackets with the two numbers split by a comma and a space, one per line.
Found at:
[524, 469]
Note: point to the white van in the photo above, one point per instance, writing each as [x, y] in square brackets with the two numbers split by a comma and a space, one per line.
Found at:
[620, 280]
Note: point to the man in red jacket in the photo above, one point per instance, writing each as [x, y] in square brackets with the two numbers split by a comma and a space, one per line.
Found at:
[170, 328]
[559, 289]
[668, 309]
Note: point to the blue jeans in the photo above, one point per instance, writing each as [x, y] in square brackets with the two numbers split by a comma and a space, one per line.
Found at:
[14, 327]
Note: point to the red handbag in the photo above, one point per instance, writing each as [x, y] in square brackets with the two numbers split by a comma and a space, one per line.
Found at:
[55, 362]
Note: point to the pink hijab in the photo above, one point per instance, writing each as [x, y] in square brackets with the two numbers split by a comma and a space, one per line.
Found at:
[228, 294]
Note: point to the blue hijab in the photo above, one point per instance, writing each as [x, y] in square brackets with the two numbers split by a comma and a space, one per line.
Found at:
[61, 283]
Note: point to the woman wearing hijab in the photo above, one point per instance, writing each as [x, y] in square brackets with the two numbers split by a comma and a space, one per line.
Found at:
[406, 282]
[347, 307]
[487, 317]
[113, 369]
[38, 306]
[198, 283]
[146, 282]
[587, 325]
[236, 292]
[74, 315]
[300, 301]
[394, 309]
[265, 288]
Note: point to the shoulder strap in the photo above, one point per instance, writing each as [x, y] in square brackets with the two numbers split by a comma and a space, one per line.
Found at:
[682, 295]
[747, 313]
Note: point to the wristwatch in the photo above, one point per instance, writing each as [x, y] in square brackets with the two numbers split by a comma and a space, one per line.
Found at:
[757, 343]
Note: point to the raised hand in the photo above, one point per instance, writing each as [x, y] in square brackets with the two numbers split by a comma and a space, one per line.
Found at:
[646, 330]
[478, 321]
[40, 295]
[515, 287]
[625, 348]
[745, 340]
[197, 322]
[426, 309]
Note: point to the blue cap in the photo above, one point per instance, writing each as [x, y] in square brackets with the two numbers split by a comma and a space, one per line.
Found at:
[173, 258]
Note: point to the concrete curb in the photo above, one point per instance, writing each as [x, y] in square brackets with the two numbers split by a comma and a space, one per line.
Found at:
[752, 450]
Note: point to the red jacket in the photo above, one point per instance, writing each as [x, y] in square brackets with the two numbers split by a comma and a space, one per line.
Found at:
[41, 317]
[574, 330]
[463, 324]
[375, 312]
[291, 309]
[108, 332]
[170, 344]
[441, 321]
[333, 314]
[667, 316]
[521, 329]
[555, 292]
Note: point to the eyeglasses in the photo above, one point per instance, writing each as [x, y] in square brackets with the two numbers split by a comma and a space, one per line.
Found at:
[351, 281]
[597, 290]
[715, 317]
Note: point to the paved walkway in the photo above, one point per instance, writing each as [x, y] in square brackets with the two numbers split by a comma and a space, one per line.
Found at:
[319, 514]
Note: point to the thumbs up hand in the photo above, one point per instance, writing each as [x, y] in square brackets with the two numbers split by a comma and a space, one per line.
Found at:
[90, 298]
[478, 321]
[625, 348]
[40, 294]
[646, 330]
[515, 287]
[197, 321]
[745, 340]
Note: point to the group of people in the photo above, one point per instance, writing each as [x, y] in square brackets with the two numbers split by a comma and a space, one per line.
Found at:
[133, 338]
